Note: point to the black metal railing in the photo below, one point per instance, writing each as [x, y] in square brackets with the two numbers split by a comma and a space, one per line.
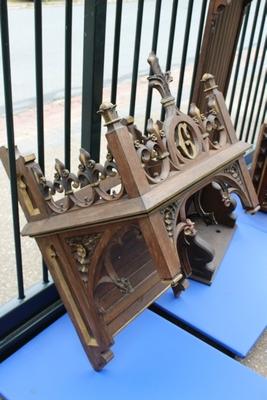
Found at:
[39, 306]
[116, 52]
[247, 101]
[11, 143]
[136, 55]
[39, 94]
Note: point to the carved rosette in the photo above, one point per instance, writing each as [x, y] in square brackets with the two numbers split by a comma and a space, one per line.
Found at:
[82, 249]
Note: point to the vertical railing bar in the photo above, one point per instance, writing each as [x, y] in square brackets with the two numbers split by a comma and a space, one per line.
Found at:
[240, 51]
[257, 87]
[260, 103]
[10, 141]
[184, 52]
[199, 40]
[93, 74]
[39, 94]
[68, 54]
[136, 55]
[39, 81]
[247, 63]
[253, 71]
[171, 34]
[154, 50]
[170, 44]
[116, 50]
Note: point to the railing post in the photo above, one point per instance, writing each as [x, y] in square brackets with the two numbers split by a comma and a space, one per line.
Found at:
[93, 72]
[38, 31]
[223, 24]
[11, 141]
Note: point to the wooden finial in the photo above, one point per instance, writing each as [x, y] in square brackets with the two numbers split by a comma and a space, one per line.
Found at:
[109, 113]
[209, 82]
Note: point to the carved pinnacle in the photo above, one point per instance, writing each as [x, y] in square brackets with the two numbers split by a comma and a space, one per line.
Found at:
[209, 82]
[109, 113]
[160, 81]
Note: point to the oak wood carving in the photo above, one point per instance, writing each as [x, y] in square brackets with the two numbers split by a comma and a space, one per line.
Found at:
[123, 232]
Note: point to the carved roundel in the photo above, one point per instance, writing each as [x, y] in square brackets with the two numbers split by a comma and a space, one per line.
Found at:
[184, 140]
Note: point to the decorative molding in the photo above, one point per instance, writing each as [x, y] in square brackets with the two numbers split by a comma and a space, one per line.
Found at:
[23, 189]
[234, 171]
[170, 214]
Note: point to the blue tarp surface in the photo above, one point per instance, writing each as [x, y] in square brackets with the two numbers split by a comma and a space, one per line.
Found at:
[153, 360]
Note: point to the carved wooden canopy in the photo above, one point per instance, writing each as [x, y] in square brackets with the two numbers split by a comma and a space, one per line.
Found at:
[169, 157]
[117, 235]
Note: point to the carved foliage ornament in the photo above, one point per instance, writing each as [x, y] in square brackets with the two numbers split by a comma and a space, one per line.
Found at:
[170, 214]
[234, 171]
[90, 175]
[82, 249]
[166, 146]
[179, 139]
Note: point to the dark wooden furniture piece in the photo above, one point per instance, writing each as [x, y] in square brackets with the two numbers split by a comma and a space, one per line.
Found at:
[222, 29]
[259, 168]
[122, 233]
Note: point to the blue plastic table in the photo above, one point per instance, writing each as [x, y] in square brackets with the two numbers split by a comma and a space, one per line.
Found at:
[153, 360]
[233, 310]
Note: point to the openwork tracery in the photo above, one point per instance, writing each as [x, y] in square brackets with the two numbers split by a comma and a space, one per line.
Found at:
[180, 139]
[99, 182]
